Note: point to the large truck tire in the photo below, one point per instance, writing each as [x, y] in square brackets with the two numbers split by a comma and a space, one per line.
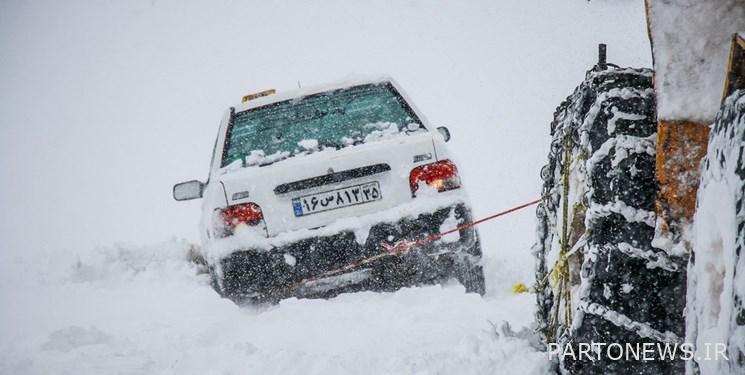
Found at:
[716, 272]
[607, 284]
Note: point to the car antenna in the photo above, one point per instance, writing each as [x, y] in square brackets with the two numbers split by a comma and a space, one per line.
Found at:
[298, 85]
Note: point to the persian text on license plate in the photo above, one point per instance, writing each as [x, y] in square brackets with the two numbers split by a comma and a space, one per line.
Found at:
[330, 200]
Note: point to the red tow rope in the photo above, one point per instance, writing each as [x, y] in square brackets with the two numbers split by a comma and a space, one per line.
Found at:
[404, 246]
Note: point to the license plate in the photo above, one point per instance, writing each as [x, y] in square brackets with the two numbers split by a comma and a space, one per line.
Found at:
[339, 198]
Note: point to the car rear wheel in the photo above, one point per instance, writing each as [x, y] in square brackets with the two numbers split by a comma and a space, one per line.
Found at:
[470, 273]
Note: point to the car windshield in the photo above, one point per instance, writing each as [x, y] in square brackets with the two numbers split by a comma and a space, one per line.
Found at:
[334, 119]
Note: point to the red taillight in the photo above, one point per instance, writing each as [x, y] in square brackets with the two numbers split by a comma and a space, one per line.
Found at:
[247, 213]
[442, 175]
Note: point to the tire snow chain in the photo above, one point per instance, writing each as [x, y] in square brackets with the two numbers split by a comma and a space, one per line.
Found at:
[622, 142]
[655, 259]
[560, 270]
[621, 320]
[585, 306]
[631, 214]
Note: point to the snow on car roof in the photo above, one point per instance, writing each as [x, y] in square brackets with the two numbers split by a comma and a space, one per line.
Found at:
[690, 43]
[297, 93]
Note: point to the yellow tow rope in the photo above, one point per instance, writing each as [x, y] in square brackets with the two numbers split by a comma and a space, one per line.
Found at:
[560, 270]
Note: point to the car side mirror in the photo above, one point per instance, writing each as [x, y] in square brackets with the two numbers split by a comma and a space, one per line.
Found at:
[188, 190]
[445, 132]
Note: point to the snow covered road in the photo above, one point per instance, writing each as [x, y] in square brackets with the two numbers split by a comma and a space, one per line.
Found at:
[147, 311]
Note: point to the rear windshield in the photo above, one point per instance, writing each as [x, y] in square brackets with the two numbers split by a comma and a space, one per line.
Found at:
[329, 120]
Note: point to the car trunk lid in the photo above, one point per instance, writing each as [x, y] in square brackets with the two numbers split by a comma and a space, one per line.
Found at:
[314, 190]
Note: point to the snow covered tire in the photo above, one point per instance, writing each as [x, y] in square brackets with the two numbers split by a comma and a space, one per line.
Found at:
[716, 272]
[622, 289]
[471, 274]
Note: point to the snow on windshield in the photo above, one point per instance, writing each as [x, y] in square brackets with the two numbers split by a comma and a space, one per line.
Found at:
[327, 120]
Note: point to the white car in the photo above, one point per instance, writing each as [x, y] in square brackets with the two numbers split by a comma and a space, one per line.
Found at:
[308, 190]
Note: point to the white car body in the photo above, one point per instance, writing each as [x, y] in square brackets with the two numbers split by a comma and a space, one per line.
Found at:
[385, 161]
[260, 182]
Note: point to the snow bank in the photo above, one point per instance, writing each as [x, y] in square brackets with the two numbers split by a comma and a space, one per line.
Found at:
[716, 275]
[690, 43]
[147, 310]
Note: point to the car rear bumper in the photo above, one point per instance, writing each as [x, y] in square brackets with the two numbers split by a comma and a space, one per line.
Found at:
[297, 269]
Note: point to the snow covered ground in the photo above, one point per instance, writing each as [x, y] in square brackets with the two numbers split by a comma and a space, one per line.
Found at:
[146, 311]
[107, 104]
